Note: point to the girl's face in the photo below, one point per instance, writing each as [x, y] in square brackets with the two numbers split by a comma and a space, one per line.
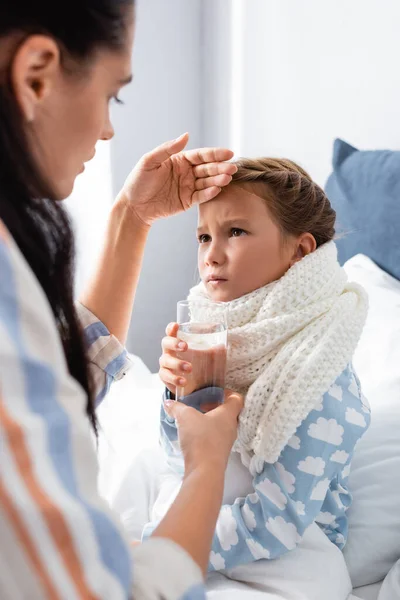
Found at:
[241, 248]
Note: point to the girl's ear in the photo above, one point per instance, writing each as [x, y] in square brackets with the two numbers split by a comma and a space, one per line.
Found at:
[305, 245]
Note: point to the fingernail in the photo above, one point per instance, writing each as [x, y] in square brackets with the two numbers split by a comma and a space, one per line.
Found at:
[181, 382]
[186, 367]
[182, 346]
[180, 137]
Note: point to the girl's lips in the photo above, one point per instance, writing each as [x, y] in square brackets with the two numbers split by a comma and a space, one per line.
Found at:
[217, 282]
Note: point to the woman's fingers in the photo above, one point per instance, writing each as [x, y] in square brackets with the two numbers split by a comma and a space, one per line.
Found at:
[207, 438]
[177, 410]
[155, 158]
[217, 180]
[206, 195]
[208, 155]
[212, 169]
[233, 404]
[234, 401]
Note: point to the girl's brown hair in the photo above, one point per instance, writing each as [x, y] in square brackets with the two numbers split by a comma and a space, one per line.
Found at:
[296, 203]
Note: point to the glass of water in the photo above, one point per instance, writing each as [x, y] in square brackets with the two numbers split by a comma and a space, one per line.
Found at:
[203, 326]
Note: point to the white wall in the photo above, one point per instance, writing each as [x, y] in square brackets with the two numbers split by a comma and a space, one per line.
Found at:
[88, 207]
[315, 70]
[264, 77]
[164, 101]
[218, 65]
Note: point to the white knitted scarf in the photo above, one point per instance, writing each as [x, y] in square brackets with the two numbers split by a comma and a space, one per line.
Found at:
[288, 343]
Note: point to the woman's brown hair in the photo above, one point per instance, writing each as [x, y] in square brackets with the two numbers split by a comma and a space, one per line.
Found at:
[296, 203]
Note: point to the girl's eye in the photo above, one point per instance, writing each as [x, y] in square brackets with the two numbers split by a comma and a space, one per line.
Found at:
[203, 238]
[236, 232]
[118, 100]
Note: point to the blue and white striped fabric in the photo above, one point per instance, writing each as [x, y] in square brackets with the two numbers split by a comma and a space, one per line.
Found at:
[58, 539]
[109, 361]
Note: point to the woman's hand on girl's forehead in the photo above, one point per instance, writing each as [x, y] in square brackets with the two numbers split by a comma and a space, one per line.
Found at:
[167, 181]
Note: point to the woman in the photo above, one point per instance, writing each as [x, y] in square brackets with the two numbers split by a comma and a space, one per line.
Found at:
[60, 65]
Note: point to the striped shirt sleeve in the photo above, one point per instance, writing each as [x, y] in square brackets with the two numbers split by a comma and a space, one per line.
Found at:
[108, 359]
[58, 538]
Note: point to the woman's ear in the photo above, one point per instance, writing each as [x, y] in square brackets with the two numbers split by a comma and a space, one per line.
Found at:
[305, 244]
[33, 72]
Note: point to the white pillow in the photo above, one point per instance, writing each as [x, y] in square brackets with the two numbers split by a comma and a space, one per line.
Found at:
[374, 519]
[377, 357]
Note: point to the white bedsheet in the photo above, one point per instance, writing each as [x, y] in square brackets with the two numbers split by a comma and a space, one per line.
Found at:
[367, 592]
[129, 420]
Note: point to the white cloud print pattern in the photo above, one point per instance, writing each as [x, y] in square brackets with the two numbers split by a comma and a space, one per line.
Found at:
[249, 517]
[355, 418]
[313, 465]
[346, 471]
[300, 508]
[253, 498]
[340, 456]
[217, 561]
[327, 430]
[285, 532]
[257, 550]
[319, 492]
[353, 387]
[320, 406]
[226, 529]
[273, 492]
[326, 518]
[288, 479]
[336, 392]
[294, 442]
[340, 539]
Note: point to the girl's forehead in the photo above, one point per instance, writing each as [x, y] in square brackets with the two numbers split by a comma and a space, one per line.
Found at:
[233, 202]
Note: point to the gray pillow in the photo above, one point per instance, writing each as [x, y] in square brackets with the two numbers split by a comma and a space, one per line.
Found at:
[364, 189]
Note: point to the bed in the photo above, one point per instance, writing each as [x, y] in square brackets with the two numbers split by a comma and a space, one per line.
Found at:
[129, 416]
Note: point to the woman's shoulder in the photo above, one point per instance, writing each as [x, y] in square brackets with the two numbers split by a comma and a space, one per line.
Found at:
[17, 278]
[25, 313]
[14, 286]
